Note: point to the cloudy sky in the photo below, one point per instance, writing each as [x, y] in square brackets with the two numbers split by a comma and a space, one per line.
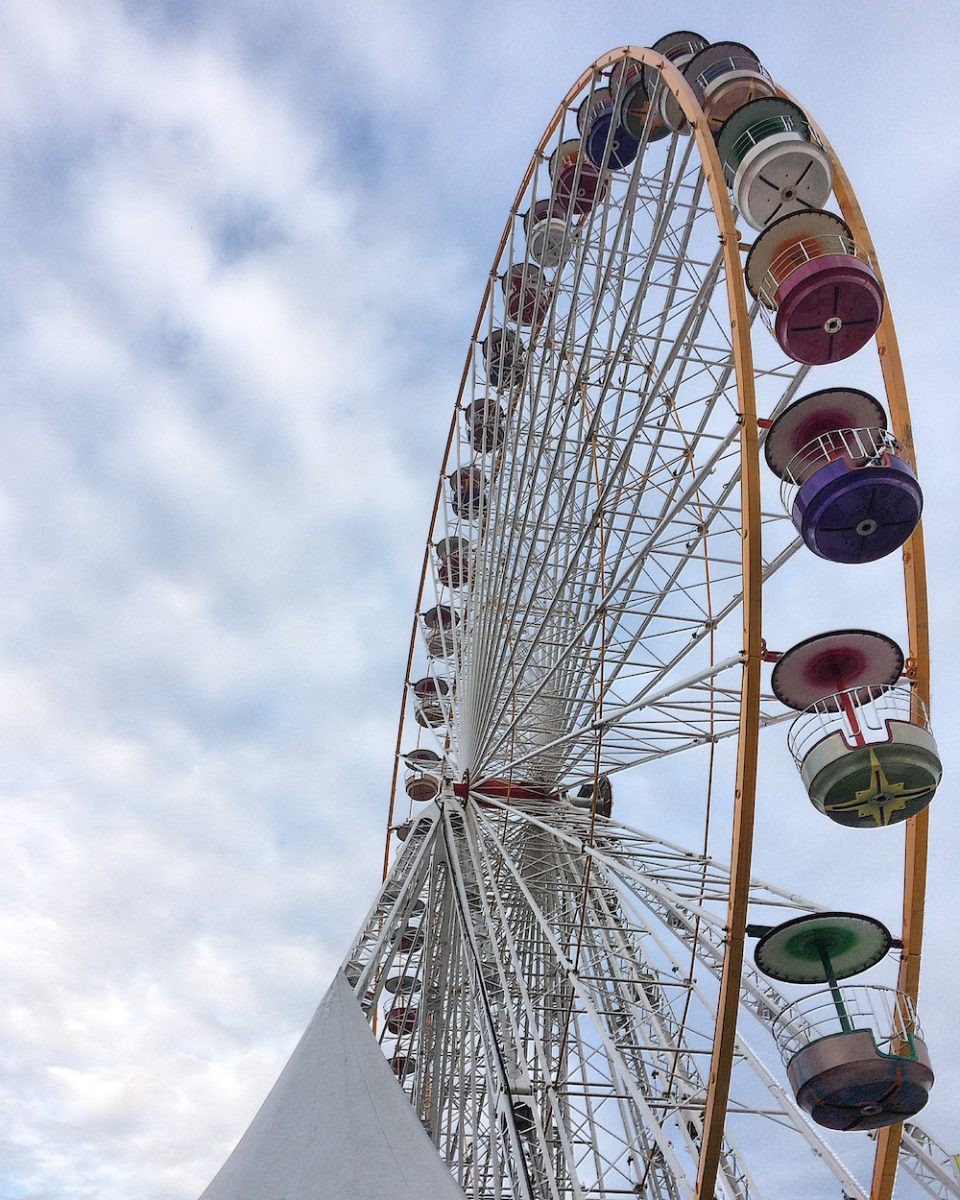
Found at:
[242, 248]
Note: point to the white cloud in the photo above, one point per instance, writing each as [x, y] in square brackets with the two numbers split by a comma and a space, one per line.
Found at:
[239, 271]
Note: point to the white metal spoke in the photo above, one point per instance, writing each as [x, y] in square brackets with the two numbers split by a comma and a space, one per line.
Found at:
[570, 966]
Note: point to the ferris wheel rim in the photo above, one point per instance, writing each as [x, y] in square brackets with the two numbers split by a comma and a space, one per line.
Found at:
[915, 853]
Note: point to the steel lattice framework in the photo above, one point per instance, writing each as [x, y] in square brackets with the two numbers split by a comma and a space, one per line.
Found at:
[577, 1019]
[564, 992]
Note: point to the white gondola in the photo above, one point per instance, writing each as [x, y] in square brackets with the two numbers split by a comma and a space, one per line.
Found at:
[430, 701]
[678, 48]
[772, 161]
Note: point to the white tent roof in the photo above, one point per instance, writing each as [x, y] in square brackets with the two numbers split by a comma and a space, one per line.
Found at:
[335, 1124]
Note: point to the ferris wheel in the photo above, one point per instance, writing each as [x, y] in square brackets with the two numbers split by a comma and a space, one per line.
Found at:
[571, 1007]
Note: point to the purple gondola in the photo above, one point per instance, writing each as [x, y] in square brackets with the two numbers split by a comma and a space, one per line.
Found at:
[852, 496]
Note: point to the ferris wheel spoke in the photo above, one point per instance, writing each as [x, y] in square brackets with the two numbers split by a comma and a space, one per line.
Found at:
[603, 498]
[734, 1175]
[576, 743]
[612, 966]
[646, 859]
[624, 662]
[504, 932]
[503, 1135]
[624, 1081]
[528, 457]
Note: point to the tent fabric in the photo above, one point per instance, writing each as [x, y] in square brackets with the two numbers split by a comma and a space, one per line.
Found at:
[335, 1124]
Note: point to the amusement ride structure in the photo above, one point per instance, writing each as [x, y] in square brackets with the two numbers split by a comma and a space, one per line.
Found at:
[545, 1003]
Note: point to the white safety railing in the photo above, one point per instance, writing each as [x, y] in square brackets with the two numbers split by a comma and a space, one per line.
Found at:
[860, 714]
[867, 447]
[421, 785]
[733, 63]
[888, 1014]
[758, 132]
[684, 50]
[800, 252]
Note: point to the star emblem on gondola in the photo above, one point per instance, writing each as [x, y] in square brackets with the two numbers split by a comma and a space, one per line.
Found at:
[881, 798]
